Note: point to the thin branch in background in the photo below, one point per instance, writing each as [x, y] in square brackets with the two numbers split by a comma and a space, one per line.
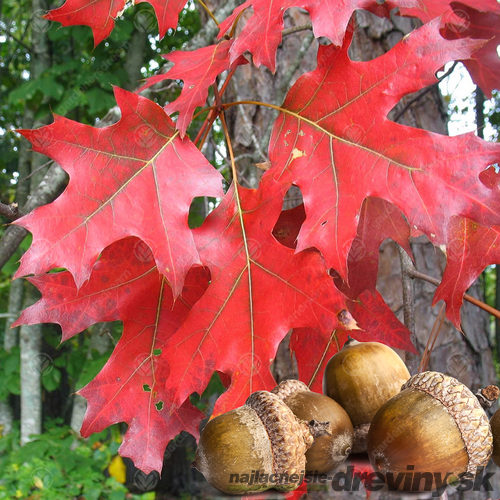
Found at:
[202, 135]
[408, 307]
[296, 29]
[17, 40]
[235, 24]
[11, 211]
[209, 12]
[469, 298]
[431, 341]
[46, 164]
[415, 99]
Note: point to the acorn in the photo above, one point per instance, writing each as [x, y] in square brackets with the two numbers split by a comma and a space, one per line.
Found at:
[433, 430]
[491, 395]
[327, 451]
[361, 377]
[259, 446]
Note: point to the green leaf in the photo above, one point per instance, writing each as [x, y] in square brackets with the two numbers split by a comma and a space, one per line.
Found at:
[99, 100]
[51, 379]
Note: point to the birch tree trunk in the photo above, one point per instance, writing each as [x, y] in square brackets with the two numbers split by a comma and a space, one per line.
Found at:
[16, 291]
[33, 361]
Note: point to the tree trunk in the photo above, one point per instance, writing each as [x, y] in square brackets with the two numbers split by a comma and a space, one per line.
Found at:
[16, 291]
[100, 342]
[33, 364]
[33, 361]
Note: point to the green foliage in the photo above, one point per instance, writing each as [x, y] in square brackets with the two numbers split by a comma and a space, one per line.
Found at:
[58, 464]
[10, 382]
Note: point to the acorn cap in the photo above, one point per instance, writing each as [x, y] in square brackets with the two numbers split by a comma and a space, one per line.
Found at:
[330, 450]
[290, 437]
[288, 387]
[261, 436]
[466, 411]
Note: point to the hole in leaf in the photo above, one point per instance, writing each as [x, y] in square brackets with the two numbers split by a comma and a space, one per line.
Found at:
[290, 221]
[324, 223]
[146, 388]
[491, 176]
[200, 207]
[217, 385]
[409, 111]
[159, 405]
[157, 352]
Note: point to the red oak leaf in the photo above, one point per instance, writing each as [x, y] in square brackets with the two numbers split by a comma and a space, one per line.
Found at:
[259, 290]
[473, 19]
[262, 33]
[167, 12]
[484, 66]
[426, 10]
[134, 178]
[327, 142]
[125, 284]
[100, 15]
[470, 248]
[313, 349]
[199, 69]
[378, 221]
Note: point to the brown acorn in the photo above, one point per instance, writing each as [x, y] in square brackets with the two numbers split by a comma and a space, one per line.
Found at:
[327, 451]
[259, 446]
[489, 395]
[361, 377]
[434, 430]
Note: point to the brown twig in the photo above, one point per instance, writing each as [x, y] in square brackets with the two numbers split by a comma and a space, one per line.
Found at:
[11, 211]
[296, 29]
[202, 135]
[208, 11]
[431, 341]
[412, 101]
[485, 307]
[41, 167]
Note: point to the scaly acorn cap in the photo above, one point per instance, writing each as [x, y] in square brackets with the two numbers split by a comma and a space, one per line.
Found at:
[261, 438]
[329, 451]
[289, 387]
[290, 437]
[466, 411]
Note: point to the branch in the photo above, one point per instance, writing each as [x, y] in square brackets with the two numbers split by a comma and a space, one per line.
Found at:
[469, 298]
[17, 40]
[296, 29]
[51, 185]
[208, 11]
[419, 96]
[11, 211]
